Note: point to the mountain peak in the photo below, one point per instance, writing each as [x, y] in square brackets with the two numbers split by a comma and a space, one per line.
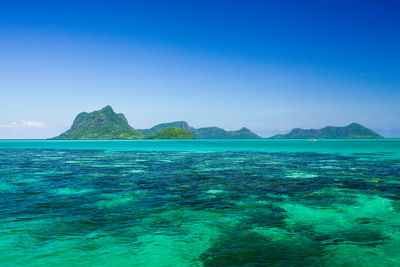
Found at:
[355, 124]
[100, 124]
[108, 108]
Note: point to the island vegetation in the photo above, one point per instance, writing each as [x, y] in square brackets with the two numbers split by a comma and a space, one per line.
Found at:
[101, 124]
[204, 133]
[171, 133]
[354, 130]
[106, 124]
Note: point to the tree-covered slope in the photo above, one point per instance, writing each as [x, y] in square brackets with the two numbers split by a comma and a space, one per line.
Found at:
[100, 124]
[171, 133]
[204, 133]
[179, 124]
[218, 133]
[353, 130]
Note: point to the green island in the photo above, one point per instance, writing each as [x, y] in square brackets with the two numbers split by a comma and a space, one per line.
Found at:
[100, 124]
[106, 124]
[171, 133]
[205, 132]
[351, 131]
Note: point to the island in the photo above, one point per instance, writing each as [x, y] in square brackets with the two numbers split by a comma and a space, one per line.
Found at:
[100, 124]
[171, 133]
[106, 124]
[351, 131]
[203, 133]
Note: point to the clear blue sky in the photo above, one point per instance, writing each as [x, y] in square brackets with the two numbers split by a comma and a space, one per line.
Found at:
[266, 65]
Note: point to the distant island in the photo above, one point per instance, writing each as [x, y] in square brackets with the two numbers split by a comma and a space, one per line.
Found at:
[101, 124]
[203, 133]
[106, 124]
[354, 130]
[171, 133]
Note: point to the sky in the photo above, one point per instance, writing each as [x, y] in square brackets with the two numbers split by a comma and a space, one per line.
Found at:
[267, 65]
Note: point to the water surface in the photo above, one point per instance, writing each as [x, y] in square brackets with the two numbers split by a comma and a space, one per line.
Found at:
[200, 203]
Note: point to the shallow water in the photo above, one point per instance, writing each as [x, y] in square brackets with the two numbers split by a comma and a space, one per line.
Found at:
[200, 203]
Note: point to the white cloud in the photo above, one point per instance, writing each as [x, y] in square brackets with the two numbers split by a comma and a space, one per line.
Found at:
[24, 124]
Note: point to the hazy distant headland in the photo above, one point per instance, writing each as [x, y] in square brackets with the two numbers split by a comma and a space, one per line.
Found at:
[352, 131]
[106, 124]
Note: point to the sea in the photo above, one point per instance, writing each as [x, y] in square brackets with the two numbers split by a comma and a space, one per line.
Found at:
[200, 203]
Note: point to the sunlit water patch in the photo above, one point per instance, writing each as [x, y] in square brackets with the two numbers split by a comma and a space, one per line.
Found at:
[183, 208]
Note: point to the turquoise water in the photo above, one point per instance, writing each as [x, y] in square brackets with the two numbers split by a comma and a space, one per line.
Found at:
[200, 203]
